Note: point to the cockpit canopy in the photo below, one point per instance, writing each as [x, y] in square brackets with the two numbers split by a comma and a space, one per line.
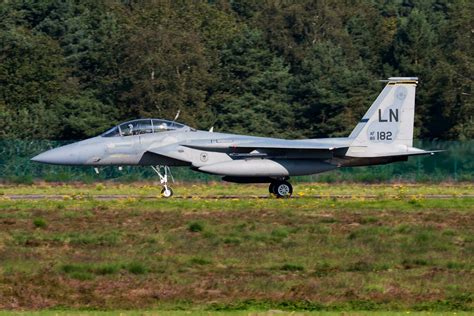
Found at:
[143, 126]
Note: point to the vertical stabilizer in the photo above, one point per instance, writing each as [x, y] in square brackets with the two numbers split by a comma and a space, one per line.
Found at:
[387, 127]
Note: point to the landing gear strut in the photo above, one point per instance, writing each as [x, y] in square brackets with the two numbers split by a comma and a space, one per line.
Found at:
[281, 189]
[163, 172]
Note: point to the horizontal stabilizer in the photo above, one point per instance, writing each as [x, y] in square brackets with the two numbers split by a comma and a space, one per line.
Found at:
[410, 152]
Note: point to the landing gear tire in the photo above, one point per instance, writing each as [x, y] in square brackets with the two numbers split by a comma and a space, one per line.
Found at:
[166, 192]
[282, 189]
[271, 188]
[163, 172]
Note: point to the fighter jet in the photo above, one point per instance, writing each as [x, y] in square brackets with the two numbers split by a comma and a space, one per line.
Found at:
[383, 135]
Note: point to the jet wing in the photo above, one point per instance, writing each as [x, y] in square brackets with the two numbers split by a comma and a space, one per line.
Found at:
[224, 145]
[269, 148]
[171, 155]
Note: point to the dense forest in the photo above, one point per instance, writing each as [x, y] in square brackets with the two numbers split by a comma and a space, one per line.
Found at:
[309, 68]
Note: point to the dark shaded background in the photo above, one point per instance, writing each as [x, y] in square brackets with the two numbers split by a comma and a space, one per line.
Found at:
[72, 69]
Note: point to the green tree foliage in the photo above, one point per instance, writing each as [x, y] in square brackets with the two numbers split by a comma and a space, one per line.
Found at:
[165, 67]
[334, 91]
[32, 76]
[71, 69]
[253, 93]
[51, 82]
[454, 75]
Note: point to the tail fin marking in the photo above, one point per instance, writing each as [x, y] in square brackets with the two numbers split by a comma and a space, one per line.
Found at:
[388, 124]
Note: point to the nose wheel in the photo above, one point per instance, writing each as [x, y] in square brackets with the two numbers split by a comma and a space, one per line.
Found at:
[167, 192]
[163, 172]
[281, 189]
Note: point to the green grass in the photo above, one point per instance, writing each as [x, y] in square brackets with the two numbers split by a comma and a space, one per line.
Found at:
[238, 255]
[39, 223]
[81, 191]
[136, 268]
[195, 227]
[82, 208]
[230, 313]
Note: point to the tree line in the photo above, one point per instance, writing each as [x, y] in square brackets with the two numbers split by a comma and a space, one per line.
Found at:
[71, 69]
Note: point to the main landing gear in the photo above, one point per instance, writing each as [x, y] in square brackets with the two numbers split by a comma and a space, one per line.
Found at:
[163, 172]
[281, 188]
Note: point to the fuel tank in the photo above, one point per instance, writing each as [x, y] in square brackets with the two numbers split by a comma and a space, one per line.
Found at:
[267, 167]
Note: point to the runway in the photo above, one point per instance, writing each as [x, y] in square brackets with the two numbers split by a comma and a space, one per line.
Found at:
[108, 197]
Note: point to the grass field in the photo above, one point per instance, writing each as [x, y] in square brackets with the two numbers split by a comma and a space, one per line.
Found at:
[396, 252]
[230, 313]
[221, 188]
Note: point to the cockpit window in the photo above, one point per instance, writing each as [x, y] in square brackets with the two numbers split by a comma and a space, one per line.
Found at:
[136, 127]
[129, 128]
[143, 126]
[112, 132]
[161, 126]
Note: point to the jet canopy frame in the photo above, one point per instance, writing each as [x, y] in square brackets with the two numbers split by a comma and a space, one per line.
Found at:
[143, 126]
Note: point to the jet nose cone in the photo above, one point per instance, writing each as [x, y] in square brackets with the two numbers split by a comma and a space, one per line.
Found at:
[57, 156]
[40, 158]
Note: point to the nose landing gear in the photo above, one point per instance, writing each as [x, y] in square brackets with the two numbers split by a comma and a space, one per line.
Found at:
[281, 189]
[163, 172]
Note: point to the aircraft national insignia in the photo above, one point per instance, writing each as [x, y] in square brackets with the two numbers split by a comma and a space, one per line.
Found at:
[204, 157]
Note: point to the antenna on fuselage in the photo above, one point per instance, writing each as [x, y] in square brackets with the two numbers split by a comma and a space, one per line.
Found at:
[177, 115]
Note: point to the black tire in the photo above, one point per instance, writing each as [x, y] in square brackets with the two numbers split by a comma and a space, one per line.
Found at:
[283, 189]
[167, 194]
[271, 188]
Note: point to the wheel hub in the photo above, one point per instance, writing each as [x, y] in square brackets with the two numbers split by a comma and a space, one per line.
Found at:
[283, 190]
